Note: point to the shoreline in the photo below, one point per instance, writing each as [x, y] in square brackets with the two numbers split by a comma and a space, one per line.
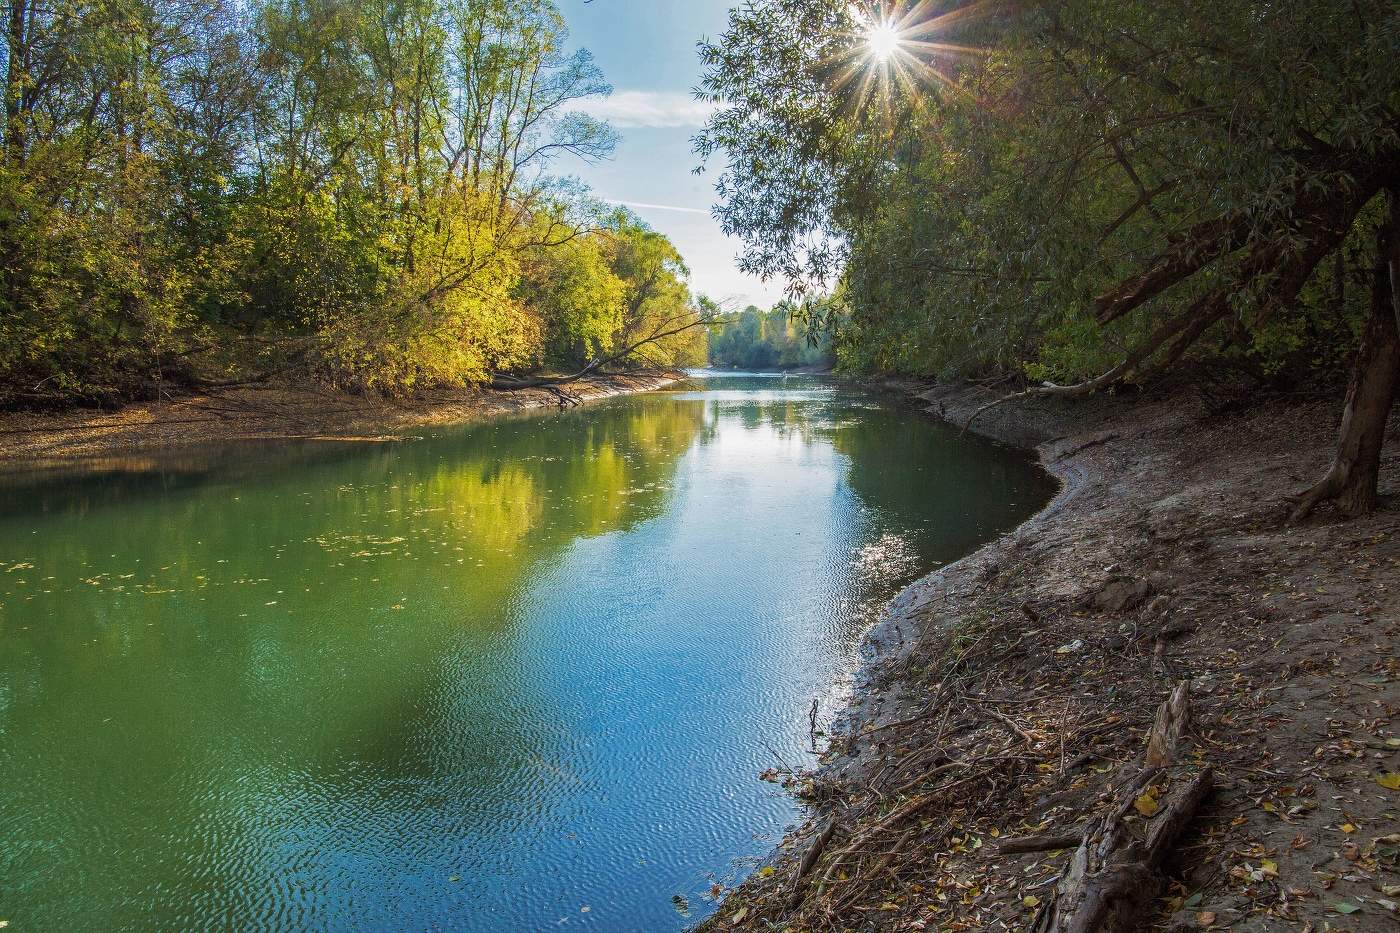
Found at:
[81, 437]
[1007, 693]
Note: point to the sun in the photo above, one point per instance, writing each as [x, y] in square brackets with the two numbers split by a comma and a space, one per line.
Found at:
[883, 39]
[898, 50]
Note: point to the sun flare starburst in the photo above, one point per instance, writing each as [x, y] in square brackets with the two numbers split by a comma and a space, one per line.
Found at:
[902, 48]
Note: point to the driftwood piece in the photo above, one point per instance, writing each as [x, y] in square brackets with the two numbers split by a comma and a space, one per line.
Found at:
[1166, 731]
[809, 861]
[1017, 845]
[1115, 873]
[815, 851]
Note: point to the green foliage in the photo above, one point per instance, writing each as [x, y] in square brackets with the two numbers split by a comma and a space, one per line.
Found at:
[580, 298]
[356, 191]
[973, 199]
[658, 315]
[92, 304]
[775, 339]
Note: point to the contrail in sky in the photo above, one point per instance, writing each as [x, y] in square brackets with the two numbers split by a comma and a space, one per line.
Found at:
[657, 207]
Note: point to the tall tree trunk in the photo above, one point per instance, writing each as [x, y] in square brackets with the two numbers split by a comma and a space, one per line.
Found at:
[1351, 481]
[12, 275]
[16, 78]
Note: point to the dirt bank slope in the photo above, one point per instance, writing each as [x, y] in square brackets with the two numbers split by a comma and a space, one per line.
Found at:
[1008, 695]
[264, 412]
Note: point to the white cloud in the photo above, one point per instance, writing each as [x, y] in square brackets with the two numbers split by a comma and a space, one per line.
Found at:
[650, 109]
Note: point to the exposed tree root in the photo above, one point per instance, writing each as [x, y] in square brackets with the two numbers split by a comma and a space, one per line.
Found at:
[1114, 875]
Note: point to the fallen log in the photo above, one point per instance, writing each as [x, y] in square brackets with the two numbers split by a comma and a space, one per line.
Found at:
[1115, 874]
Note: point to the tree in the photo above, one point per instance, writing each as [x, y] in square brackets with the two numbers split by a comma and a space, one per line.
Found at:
[656, 323]
[1088, 192]
[408, 142]
[574, 289]
[659, 319]
[360, 192]
[122, 120]
[773, 339]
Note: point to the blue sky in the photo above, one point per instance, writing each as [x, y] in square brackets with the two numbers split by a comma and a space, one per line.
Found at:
[646, 49]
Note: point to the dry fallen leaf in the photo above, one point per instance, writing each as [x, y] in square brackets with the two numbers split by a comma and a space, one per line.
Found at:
[1390, 780]
[1205, 918]
[738, 918]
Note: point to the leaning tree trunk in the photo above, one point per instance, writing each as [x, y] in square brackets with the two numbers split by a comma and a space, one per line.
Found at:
[1351, 480]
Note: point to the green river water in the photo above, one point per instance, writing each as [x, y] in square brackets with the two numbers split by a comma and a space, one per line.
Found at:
[520, 675]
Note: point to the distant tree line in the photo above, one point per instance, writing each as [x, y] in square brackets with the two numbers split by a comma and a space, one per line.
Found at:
[209, 191]
[773, 339]
[1083, 193]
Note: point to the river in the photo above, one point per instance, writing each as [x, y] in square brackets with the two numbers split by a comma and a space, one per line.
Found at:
[517, 675]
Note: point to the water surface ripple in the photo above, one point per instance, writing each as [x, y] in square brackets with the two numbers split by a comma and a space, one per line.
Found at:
[516, 676]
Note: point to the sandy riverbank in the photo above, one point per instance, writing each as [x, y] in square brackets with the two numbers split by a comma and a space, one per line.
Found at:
[1008, 695]
[270, 412]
